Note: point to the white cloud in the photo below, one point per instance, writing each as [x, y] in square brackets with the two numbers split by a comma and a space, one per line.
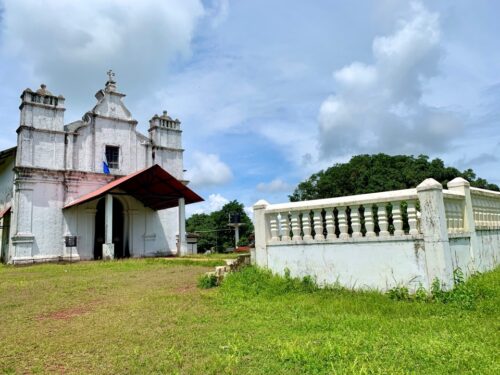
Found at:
[219, 12]
[276, 185]
[379, 107]
[214, 203]
[208, 170]
[71, 44]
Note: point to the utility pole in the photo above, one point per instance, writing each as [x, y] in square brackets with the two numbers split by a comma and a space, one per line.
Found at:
[234, 221]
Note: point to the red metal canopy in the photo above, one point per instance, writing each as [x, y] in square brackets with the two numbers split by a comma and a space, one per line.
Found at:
[5, 210]
[153, 186]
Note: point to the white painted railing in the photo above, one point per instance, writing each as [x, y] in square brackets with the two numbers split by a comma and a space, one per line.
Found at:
[486, 208]
[454, 206]
[383, 214]
[387, 214]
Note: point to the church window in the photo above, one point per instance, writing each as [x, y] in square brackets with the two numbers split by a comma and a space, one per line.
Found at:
[113, 156]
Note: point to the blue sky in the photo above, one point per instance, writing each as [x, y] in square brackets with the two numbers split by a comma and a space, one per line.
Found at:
[269, 92]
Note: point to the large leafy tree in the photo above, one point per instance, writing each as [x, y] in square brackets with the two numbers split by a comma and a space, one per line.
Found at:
[213, 228]
[380, 172]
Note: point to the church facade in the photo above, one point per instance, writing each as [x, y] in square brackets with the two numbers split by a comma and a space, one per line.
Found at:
[92, 189]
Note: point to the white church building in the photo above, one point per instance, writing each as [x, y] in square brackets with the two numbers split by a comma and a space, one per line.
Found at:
[92, 189]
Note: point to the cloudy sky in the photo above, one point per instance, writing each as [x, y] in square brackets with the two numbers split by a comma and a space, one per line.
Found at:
[271, 91]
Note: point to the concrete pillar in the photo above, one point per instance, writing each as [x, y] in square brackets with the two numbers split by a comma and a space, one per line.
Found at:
[182, 244]
[236, 235]
[433, 224]
[259, 258]
[462, 186]
[23, 239]
[108, 248]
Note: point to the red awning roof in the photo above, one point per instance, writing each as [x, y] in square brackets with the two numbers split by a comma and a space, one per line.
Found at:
[153, 186]
[5, 210]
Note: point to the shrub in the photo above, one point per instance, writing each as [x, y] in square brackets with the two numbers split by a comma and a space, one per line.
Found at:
[207, 281]
[256, 281]
[399, 293]
[464, 294]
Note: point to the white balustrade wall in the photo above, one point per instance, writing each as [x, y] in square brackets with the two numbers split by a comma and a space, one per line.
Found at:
[486, 207]
[385, 239]
[342, 219]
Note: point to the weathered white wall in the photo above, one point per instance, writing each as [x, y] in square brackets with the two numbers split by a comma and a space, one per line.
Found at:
[488, 253]
[170, 160]
[48, 150]
[6, 180]
[461, 254]
[366, 265]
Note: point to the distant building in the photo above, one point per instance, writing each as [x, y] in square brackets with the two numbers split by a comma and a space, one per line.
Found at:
[97, 182]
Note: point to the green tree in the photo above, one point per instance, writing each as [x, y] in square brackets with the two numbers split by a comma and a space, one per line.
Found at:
[380, 172]
[203, 225]
[214, 230]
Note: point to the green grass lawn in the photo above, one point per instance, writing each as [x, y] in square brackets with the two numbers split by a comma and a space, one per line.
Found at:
[148, 317]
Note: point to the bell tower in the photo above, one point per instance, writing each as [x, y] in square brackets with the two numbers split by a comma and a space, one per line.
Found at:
[166, 137]
[40, 141]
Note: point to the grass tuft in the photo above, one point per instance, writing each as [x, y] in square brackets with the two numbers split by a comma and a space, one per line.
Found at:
[465, 294]
[207, 281]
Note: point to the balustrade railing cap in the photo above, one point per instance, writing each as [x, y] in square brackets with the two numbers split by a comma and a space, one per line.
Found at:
[260, 204]
[429, 184]
[458, 181]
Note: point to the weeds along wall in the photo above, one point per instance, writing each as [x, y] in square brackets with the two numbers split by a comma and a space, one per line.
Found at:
[382, 240]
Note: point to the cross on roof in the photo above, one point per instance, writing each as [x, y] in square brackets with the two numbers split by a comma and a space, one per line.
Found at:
[110, 75]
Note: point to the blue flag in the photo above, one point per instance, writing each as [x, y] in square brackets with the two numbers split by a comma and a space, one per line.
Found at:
[105, 167]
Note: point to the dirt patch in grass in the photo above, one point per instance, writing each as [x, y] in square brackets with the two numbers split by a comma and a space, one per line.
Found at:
[69, 313]
[56, 369]
[185, 289]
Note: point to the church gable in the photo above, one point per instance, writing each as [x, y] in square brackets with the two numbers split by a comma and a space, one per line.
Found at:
[110, 102]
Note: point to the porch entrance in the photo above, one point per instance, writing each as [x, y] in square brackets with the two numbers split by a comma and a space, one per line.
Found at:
[121, 250]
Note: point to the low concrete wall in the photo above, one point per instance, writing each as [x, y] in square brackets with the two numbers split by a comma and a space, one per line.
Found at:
[488, 253]
[374, 264]
[461, 254]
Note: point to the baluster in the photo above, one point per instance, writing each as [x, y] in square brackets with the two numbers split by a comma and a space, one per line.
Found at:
[296, 226]
[382, 220]
[450, 216]
[369, 223]
[487, 213]
[342, 218]
[306, 225]
[330, 225]
[456, 212]
[273, 223]
[456, 216]
[497, 214]
[318, 225]
[491, 220]
[285, 227]
[355, 223]
[482, 214]
[460, 216]
[397, 219]
[412, 218]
